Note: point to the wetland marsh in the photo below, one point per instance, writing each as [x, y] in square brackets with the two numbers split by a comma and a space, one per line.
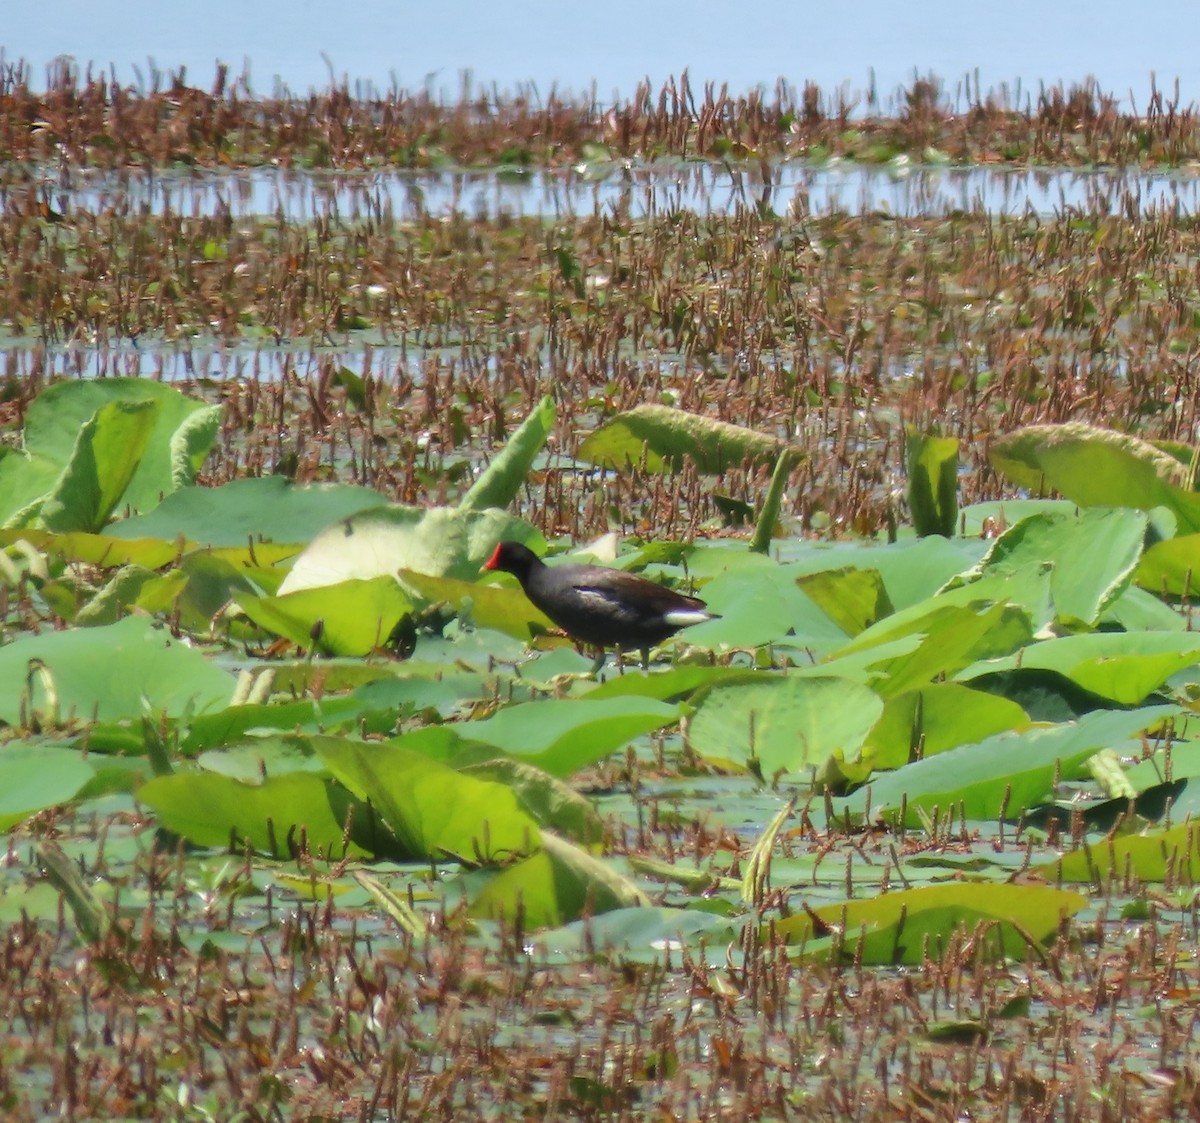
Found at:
[310, 818]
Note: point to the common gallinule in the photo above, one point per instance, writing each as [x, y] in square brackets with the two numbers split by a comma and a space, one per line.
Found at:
[600, 606]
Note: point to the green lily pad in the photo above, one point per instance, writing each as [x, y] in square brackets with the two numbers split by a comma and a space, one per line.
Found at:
[268, 508]
[943, 638]
[935, 718]
[562, 736]
[667, 438]
[34, 777]
[783, 724]
[1089, 558]
[181, 434]
[350, 618]
[1003, 775]
[277, 816]
[485, 606]
[1123, 667]
[911, 925]
[1154, 857]
[123, 670]
[434, 811]
[558, 884]
[108, 449]
[440, 541]
[1097, 467]
[932, 464]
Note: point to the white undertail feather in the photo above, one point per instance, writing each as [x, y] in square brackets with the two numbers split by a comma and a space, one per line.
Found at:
[684, 617]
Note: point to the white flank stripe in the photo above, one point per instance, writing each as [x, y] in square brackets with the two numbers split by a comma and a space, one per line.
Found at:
[682, 617]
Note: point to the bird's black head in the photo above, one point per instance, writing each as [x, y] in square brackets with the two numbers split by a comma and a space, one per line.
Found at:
[512, 557]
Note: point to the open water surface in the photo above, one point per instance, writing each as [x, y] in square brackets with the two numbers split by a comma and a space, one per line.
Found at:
[797, 188]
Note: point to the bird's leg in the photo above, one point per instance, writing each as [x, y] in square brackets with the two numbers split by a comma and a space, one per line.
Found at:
[645, 658]
[598, 663]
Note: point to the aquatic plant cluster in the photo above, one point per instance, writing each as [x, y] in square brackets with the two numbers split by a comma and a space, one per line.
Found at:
[89, 120]
[399, 351]
[903, 832]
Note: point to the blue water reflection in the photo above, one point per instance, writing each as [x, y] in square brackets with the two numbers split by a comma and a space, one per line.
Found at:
[794, 188]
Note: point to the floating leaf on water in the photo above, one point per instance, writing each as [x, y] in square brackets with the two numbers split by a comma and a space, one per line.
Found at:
[440, 541]
[784, 724]
[668, 437]
[261, 509]
[108, 449]
[349, 618]
[906, 926]
[118, 671]
[554, 886]
[1097, 467]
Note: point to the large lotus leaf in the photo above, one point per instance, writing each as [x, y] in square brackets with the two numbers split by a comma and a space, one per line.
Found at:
[672, 685]
[1156, 856]
[1172, 567]
[951, 636]
[273, 815]
[854, 599]
[558, 884]
[913, 925]
[441, 541]
[447, 689]
[350, 618]
[502, 480]
[867, 665]
[1007, 773]
[549, 800]
[262, 757]
[761, 607]
[34, 777]
[1091, 556]
[483, 649]
[120, 671]
[1097, 468]
[212, 583]
[911, 570]
[1124, 667]
[433, 810]
[714, 559]
[1136, 610]
[107, 451]
[667, 438]
[785, 723]
[561, 736]
[270, 508]
[190, 445]
[995, 516]
[932, 464]
[485, 606]
[332, 713]
[96, 549]
[113, 601]
[935, 718]
[24, 479]
[183, 432]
